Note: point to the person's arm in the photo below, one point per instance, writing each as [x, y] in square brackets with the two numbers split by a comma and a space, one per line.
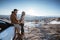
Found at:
[22, 21]
[16, 21]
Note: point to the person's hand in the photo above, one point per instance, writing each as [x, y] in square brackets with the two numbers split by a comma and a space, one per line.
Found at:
[19, 22]
[22, 22]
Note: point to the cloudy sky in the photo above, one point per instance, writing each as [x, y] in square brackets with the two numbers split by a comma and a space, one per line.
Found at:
[31, 7]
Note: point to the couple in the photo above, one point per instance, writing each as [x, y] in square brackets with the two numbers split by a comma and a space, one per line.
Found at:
[18, 24]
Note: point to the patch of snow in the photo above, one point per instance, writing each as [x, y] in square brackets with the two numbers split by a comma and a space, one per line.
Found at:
[54, 22]
[7, 34]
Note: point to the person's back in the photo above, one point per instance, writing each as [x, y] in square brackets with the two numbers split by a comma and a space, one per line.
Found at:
[13, 18]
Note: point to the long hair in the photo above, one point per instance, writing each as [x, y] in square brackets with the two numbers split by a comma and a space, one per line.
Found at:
[23, 13]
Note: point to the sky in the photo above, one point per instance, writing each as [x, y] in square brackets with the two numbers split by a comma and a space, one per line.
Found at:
[31, 7]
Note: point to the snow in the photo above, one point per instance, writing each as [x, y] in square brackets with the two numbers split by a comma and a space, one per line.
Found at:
[32, 24]
[7, 34]
[54, 22]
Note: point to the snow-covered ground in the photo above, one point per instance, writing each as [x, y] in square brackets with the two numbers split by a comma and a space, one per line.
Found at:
[31, 24]
[31, 32]
[7, 34]
[54, 22]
